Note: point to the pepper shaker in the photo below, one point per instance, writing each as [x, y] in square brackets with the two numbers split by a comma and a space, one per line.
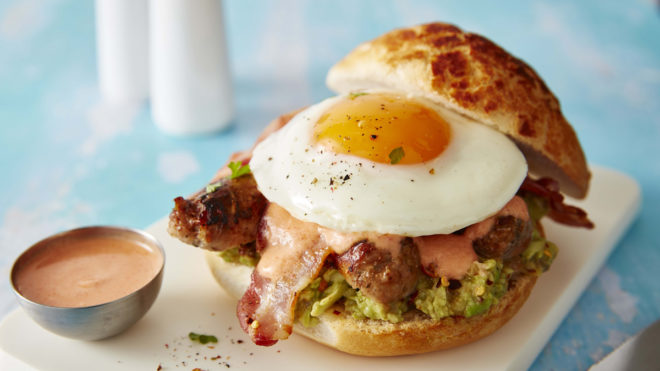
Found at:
[122, 50]
[191, 89]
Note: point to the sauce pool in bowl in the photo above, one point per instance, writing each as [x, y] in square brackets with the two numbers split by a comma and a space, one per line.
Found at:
[86, 270]
[89, 283]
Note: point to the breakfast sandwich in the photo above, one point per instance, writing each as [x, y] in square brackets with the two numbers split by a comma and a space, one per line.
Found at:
[403, 214]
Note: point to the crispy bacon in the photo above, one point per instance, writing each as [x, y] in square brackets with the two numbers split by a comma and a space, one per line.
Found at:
[548, 189]
[292, 258]
[248, 305]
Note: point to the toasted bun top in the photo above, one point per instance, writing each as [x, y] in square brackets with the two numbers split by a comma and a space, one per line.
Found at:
[470, 74]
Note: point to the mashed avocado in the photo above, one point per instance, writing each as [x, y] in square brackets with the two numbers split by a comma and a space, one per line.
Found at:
[362, 307]
[319, 295]
[483, 285]
[308, 296]
[331, 286]
[234, 256]
[539, 255]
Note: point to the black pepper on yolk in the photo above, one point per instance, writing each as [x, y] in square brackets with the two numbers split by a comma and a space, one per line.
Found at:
[375, 126]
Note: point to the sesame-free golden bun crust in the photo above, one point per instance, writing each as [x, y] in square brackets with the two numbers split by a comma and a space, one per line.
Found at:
[473, 76]
[416, 334]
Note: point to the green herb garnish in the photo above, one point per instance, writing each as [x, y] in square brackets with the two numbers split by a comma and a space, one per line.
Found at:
[212, 187]
[202, 338]
[238, 169]
[352, 96]
[396, 155]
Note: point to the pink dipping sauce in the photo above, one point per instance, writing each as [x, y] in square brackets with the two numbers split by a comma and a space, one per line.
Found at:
[84, 271]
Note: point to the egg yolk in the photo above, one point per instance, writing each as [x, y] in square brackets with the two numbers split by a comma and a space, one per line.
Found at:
[385, 128]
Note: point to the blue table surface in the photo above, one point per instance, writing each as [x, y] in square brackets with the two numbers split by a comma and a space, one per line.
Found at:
[67, 160]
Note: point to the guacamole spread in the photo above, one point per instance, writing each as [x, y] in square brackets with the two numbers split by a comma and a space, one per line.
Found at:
[234, 256]
[485, 282]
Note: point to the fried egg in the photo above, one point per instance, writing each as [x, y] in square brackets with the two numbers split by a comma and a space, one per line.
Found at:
[387, 162]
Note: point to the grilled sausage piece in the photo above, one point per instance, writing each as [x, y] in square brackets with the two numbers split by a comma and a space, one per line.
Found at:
[229, 216]
[225, 218]
[508, 237]
[506, 234]
[381, 274]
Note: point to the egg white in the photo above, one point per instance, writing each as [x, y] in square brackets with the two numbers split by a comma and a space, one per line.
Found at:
[476, 175]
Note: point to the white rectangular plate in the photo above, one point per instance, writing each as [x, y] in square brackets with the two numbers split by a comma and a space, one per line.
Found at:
[190, 300]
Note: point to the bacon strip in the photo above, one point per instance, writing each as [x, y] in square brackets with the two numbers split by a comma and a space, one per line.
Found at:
[292, 258]
[560, 212]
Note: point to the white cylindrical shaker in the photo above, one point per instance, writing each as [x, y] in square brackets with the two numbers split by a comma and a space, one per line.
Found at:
[191, 90]
[122, 49]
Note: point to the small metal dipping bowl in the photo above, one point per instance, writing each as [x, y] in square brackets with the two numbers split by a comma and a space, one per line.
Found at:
[100, 321]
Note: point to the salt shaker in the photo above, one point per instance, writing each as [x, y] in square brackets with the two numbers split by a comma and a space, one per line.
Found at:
[122, 50]
[191, 89]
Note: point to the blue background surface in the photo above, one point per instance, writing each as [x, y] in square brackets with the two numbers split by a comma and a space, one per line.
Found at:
[67, 160]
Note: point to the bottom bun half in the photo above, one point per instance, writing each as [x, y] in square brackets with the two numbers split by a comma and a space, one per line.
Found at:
[416, 334]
